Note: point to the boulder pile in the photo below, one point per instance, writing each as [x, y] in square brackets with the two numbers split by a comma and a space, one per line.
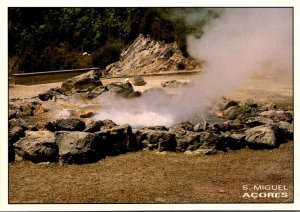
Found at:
[72, 141]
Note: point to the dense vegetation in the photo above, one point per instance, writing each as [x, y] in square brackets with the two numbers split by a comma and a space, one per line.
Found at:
[45, 39]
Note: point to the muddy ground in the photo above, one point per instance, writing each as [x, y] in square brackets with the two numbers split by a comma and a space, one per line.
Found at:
[150, 177]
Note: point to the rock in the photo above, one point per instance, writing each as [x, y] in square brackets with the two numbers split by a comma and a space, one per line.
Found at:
[79, 147]
[229, 103]
[232, 112]
[15, 133]
[100, 125]
[37, 147]
[261, 137]
[43, 125]
[183, 126]
[50, 94]
[138, 81]
[232, 141]
[257, 121]
[160, 140]
[148, 56]
[117, 139]
[71, 124]
[188, 141]
[231, 125]
[87, 81]
[157, 128]
[96, 92]
[285, 130]
[124, 90]
[209, 140]
[201, 126]
[270, 106]
[173, 84]
[277, 116]
[16, 123]
[87, 114]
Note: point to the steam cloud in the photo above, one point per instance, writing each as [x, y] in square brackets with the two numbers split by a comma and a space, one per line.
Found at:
[242, 43]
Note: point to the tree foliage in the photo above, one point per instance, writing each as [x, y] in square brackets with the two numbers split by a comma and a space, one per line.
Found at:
[45, 39]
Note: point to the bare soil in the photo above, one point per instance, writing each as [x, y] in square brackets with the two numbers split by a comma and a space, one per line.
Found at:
[151, 177]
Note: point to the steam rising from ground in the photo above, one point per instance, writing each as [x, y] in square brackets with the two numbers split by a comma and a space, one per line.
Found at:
[242, 43]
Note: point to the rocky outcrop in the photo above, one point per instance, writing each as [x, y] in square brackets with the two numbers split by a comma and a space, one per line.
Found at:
[148, 56]
[124, 90]
[37, 147]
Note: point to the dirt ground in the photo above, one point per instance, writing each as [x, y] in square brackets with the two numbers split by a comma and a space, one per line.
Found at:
[151, 177]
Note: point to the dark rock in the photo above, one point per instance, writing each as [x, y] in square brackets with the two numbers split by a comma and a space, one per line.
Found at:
[285, 129]
[71, 124]
[100, 125]
[233, 141]
[229, 103]
[96, 92]
[210, 140]
[187, 141]
[153, 139]
[87, 115]
[79, 147]
[257, 121]
[277, 116]
[87, 81]
[37, 147]
[12, 114]
[15, 133]
[261, 137]
[232, 112]
[157, 128]
[50, 94]
[117, 139]
[138, 81]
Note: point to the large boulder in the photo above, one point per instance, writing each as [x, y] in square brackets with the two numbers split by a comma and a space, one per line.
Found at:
[71, 124]
[117, 139]
[84, 82]
[261, 137]
[233, 141]
[285, 129]
[99, 125]
[138, 81]
[37, 147]
[122, 89]
[79, 147]
[153, 139]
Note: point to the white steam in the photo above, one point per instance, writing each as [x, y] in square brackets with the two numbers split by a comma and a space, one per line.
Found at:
[240, 44]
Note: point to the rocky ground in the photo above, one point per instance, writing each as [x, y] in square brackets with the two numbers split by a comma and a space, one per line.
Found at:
[190, 162]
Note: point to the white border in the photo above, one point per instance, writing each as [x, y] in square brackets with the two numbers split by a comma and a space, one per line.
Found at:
[4, 4]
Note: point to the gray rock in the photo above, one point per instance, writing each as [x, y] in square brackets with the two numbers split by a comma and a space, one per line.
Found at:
[124, 90]
[96, 92]
[100, 125]
[233, 141]
[153, 139]
[261, 137]
[79, 147]
[232, 112]
[117, 139]
[37, 147]
[87, 81]
[71, 124]
[277, 116]
[286, 129]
